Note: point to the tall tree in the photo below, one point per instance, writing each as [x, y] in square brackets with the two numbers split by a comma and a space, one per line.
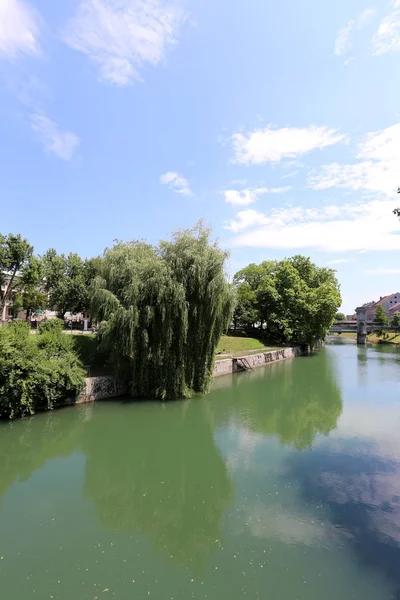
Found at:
[18, 268]
[163, 311]
[295, 301]
[68, 280]
[381, 318]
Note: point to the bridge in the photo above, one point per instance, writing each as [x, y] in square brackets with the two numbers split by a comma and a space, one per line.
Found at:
[354, 327]
[350, 327]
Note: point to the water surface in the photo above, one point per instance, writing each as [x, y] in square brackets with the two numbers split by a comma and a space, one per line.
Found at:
[283, 483]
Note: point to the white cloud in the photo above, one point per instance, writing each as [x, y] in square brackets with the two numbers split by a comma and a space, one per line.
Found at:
[343, 41]
[19, 30]
[272, 145]
[121, 36]
[383, 271]
[176, 182]
[366, 17]
[337, 261]
[377, 170]
[61, 143]
[250, 196]
[359, 227]
[387, 37]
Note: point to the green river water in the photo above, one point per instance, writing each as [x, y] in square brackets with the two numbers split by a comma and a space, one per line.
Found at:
[282, 484]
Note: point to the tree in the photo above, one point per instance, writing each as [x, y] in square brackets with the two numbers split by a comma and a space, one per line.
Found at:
[295, 301]
[381, 318]
[395, 321]
[340, 316]
[68, 281]
[18, 268]
[164, 309]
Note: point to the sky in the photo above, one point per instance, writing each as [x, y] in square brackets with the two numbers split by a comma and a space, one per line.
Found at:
[278, 123]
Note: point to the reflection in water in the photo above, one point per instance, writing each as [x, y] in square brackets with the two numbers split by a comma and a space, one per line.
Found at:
[160, 475]
[362, 492]
[27, 445]
[294, 400]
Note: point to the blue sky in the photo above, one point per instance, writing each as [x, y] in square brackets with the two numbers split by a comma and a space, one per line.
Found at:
[278, 123]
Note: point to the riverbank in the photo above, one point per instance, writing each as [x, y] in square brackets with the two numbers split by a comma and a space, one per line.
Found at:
[106, 387]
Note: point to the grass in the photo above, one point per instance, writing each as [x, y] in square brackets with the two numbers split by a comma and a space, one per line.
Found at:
[86, 347]
[231, 344]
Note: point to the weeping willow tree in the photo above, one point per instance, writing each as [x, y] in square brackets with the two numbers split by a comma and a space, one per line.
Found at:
[163, 310]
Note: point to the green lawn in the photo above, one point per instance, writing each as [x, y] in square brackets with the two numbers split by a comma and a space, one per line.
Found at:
[231, 344]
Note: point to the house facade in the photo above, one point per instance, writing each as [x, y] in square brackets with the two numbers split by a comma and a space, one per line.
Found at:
[390, 304]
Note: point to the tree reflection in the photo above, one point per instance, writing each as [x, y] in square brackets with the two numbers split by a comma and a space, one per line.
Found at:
[294, 400]
[27, 445]
[160, 475]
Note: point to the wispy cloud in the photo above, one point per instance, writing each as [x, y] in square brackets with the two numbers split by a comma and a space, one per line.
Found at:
[387, 37]
[19, 29]
[344, 38]
[273, 145]
[335, 228]
[383, 271]
[176, 183]
[338, 261]
[343, 41]
[377, 169]
[250, 196]
[61, 143]
[122, 36]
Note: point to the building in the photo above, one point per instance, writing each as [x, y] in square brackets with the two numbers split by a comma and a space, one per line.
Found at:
[390, 304]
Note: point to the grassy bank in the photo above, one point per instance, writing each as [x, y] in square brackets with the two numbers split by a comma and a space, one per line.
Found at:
[232, 344]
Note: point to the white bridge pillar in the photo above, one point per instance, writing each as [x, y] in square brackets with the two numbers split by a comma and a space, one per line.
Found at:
[361, 326]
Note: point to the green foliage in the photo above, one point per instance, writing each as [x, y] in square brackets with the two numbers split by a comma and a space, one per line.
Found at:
[381, 319]
[291, 300]
[54, 326]
[163, 311]
[395, 321]
[68, 281]
[18, 267]
[340, 316]
[36, 371]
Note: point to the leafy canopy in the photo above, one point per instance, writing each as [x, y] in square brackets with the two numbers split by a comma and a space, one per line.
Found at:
[291, 300]
[163, 310]
[381, 319]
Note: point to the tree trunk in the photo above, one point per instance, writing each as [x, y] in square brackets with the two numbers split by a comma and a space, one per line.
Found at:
[5, 296]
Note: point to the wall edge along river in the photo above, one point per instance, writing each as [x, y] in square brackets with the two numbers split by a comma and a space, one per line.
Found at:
[105, 387]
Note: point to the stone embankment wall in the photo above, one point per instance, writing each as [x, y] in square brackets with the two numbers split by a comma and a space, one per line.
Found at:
[234, 365]
[101, 388]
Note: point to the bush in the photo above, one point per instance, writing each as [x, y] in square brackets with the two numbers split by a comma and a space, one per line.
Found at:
[36, 373]
[54, 325]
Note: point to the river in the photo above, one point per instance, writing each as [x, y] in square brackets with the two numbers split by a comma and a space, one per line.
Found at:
[283, 484]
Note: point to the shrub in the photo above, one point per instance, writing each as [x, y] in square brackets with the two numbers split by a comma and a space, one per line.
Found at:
[36, 373]
[54, 325]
